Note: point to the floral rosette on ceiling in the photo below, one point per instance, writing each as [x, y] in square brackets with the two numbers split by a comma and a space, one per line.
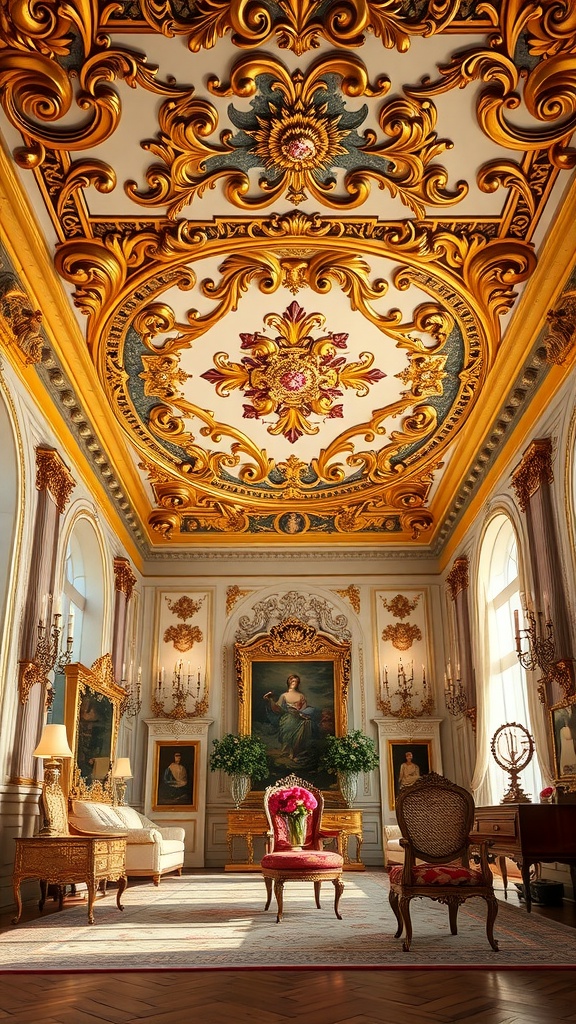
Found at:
[293, 805]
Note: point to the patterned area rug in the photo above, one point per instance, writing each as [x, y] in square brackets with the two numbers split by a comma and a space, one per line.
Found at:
[209, 920]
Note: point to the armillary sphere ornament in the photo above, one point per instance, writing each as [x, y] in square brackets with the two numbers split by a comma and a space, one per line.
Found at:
[512, 748]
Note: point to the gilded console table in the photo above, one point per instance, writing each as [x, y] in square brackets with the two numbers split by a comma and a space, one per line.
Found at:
[249, 822]
[64, 860]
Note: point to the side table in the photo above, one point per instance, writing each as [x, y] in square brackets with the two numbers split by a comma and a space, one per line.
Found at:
[249, 822]
[64, 860]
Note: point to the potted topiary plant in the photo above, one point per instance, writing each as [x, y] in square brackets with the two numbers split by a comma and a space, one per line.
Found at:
[244, 759]
[347, 756]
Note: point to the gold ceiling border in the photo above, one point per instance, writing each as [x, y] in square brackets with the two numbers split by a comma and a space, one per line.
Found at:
[300, 27]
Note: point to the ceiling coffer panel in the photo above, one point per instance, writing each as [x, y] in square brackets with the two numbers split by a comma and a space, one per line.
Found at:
[295, 232]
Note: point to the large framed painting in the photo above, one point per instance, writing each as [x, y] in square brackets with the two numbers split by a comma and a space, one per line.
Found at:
[175, 775]
[292, 692]
[563, 737]
[408, 761]
[92, 709]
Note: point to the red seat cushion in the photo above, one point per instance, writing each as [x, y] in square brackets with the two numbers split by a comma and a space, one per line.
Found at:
[293, 860]
[438, 874]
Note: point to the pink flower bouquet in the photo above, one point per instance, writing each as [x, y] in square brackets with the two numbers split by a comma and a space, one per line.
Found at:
[547, 792]
[297, 801]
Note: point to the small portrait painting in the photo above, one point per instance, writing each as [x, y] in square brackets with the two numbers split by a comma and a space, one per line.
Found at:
[175, 776]
[408, 761]
[563, 720]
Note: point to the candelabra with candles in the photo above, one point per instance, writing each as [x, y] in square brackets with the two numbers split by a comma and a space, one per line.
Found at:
[132, 702]
[48, 657]
[539, 632]
[387, 702]
[185, 694]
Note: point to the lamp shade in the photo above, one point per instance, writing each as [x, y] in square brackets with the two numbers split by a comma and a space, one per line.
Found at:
[53, 742]
[122, 769]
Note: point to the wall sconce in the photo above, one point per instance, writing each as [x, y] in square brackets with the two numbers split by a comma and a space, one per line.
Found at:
[120, 773]
[541, 649]
[132, 702]
[53, 746]
[400, 703]
[456, 698]
[48, 655]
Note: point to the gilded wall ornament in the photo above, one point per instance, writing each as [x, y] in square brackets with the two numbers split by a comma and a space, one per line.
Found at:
[183, 636]
[400, 606]
[352, 594]
[293, 376]
[24, 323]
[185, 607]
[401, 635]
[233, 594]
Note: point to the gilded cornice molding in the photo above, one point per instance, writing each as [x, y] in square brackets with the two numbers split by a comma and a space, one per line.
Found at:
[53, 476]
[458, 578]
[534, 470]
[124, 578]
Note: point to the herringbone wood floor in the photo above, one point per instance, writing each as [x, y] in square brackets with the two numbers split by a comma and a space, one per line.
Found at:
[413, 996]
[283, 997]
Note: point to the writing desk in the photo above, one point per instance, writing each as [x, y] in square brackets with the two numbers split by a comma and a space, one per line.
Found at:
[529, 834]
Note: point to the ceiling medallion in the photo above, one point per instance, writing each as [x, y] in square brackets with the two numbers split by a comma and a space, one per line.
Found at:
[293, 376]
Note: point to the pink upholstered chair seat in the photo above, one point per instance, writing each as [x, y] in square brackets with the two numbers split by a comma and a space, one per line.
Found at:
[302, 860]
[438, 874]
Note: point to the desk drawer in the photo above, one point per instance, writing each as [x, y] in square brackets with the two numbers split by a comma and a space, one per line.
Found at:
[505, 826]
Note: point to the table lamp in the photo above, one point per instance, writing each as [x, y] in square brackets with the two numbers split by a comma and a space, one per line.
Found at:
[120, 773]
[53, 746]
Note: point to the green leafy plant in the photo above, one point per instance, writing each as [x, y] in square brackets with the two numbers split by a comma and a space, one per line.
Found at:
[240, 755]
[354, 752]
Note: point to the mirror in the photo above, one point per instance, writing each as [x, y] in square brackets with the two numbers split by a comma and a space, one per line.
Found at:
[92, 716]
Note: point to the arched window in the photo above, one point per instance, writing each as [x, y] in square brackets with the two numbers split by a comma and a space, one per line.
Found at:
[82, 602]
[505, 692]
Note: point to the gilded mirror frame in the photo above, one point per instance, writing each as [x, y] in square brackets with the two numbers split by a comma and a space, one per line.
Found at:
[92, 716]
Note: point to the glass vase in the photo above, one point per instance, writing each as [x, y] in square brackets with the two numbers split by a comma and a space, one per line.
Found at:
[348, 782]
[239, 788]
[296, 825]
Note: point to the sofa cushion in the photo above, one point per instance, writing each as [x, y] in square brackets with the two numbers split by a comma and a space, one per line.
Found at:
[291, 860]
[132, 819]
[96, 817]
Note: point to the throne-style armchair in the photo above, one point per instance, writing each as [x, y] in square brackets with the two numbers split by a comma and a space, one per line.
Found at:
[281, 862]
[436, 817]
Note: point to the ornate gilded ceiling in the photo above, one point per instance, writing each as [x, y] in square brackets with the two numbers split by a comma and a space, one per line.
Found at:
[293, 233]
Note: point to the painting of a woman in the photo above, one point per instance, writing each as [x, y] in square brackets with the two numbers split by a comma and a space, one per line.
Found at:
[297, 722]
[292, 712]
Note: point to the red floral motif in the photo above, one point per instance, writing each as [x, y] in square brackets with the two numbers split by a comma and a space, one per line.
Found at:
[439, 874]
[294, 375]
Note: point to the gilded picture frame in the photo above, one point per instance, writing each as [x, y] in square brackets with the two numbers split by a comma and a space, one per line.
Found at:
[294, 736]
[562, 724]
[421, 751]
[175, 780]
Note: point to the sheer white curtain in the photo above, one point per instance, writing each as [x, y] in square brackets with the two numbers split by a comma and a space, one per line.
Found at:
[502, 694]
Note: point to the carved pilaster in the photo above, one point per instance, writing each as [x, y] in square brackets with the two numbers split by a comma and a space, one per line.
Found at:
[458, 578]
[534, 470]
[53, 476]
[124, 578]
[561, 337]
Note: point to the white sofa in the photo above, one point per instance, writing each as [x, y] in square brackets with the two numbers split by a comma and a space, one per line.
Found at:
[393, 852]
[151, 849]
